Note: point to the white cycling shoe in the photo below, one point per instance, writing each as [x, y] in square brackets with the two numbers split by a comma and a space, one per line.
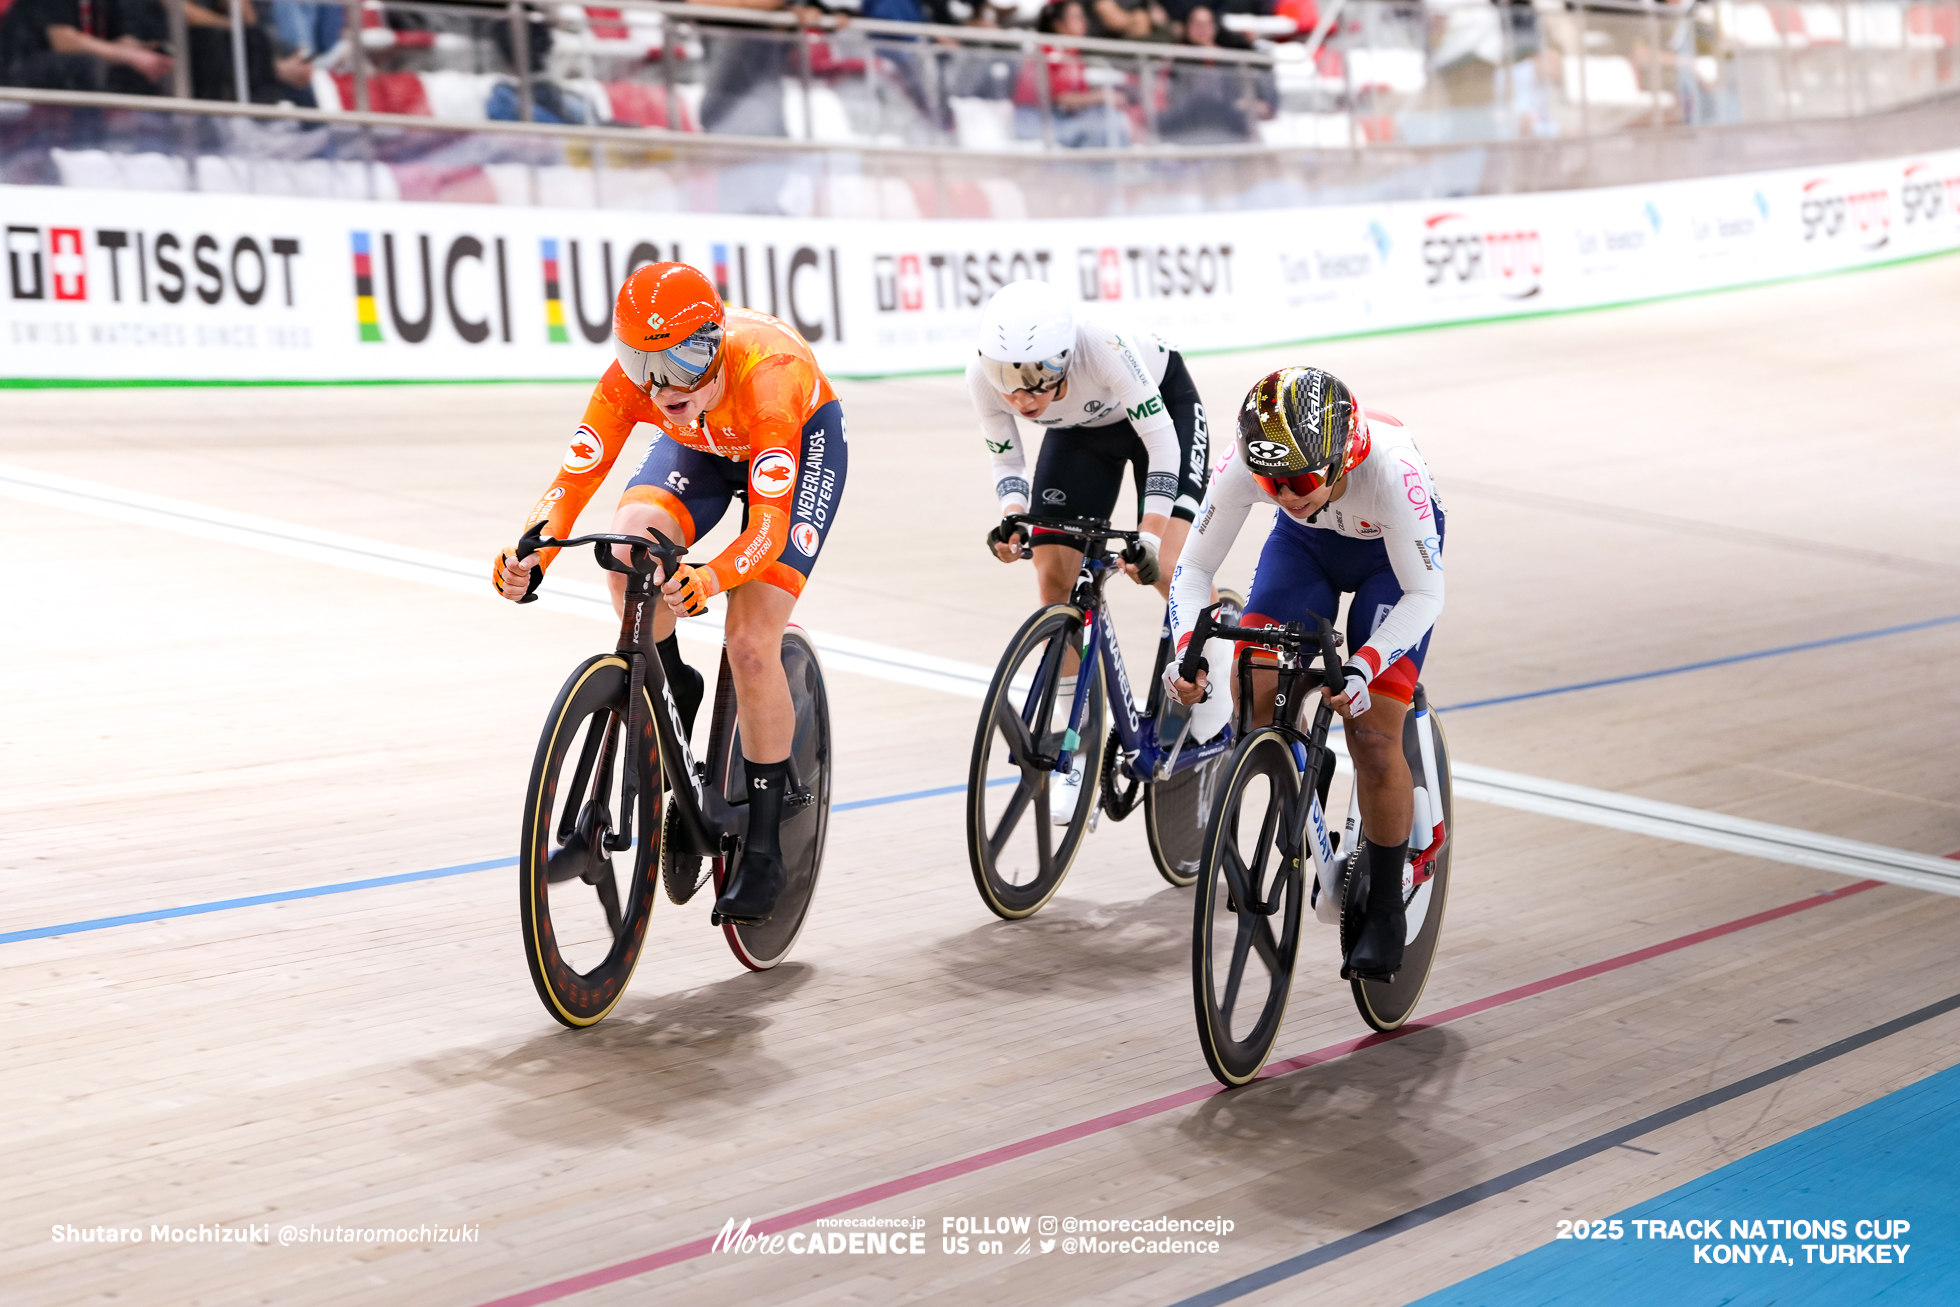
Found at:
[1064, 792]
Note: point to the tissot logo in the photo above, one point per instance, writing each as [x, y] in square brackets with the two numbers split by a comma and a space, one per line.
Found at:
[1831, 212]
[938, 280]
[1457, 253]
[1117, 272]
[137, 266]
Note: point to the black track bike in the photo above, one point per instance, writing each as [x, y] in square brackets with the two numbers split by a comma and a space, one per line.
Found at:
[614, 775]
[1029, 737]
[1269, 832]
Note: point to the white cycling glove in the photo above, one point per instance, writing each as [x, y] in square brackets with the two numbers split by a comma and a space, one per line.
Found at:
[1357, 689]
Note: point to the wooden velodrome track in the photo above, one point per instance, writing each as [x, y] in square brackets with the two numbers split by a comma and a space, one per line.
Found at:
[190, 721]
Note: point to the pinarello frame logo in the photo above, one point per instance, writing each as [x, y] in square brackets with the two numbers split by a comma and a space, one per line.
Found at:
[1457, 254]
[772, 473]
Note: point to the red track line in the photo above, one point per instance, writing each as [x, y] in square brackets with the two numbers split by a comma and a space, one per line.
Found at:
[545, 1293]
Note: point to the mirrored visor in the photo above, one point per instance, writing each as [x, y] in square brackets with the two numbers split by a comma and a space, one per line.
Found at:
[684, 367]
[1037, 375]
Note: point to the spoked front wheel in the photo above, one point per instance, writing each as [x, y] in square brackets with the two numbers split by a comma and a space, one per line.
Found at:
[1246, 932]
[1385, 1005]
[805, 825]
[1020, 838]
[585, 907]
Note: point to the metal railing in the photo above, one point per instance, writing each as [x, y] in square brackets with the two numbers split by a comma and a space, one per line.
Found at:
[1412, 72]
[666, 106]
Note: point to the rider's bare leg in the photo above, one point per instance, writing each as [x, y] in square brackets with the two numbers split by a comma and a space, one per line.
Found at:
[1055, 570]
[633, 520]
[1381, 770]
[757, 614]
[1374, 743]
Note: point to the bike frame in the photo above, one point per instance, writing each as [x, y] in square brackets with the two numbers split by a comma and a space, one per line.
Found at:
[1306, 820]
[1137, 732]
[709, 825]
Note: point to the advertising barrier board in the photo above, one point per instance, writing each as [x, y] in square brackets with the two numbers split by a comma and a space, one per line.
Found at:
[113, 286]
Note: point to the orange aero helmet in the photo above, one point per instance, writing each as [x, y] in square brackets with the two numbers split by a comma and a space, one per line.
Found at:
[667, 328]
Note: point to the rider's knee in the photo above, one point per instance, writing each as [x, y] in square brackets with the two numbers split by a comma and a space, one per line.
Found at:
[1374, 751]
[751, 650]
[633, 518]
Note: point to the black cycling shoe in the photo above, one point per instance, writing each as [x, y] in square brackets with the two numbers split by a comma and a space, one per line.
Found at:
[749, 898]
[1377, 953]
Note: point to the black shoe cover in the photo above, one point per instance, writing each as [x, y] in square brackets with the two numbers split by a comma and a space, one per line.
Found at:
[750, 896]
[1377, 951]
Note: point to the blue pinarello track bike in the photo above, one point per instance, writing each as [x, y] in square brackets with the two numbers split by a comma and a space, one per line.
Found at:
[1030, 737]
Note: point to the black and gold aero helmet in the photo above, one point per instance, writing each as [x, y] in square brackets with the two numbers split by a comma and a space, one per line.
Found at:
[1300, 428]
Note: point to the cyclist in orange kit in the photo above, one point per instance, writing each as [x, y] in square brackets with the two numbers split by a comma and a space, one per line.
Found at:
[742, 412]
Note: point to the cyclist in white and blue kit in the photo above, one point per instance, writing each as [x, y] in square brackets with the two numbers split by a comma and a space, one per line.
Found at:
[1358, 515]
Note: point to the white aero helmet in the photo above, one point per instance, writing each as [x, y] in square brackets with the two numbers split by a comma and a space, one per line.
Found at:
[1026, 333]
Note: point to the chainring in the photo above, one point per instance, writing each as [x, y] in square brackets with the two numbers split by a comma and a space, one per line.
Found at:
[682, 874]
[1118, 807]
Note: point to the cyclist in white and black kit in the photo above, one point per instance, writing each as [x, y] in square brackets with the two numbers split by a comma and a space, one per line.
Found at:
[1110, 399]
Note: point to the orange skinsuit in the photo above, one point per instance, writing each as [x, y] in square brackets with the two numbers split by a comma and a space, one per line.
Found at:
[772, 386]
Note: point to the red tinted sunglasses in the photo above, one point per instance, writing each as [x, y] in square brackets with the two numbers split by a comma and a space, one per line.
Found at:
[1300, 483]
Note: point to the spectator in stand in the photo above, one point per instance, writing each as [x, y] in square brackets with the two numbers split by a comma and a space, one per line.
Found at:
[1214, 104]
[269, 77]
[77, 45]
[308, 30]
[1132, 20]
[1180, 13]
[1082, 113]
[746, 67]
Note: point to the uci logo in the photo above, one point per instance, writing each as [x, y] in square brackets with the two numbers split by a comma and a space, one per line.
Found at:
[1267, 451]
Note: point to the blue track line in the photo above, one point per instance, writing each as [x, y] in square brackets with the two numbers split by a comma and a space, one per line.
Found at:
[251, 900]
[345, 886]
[1778, 652]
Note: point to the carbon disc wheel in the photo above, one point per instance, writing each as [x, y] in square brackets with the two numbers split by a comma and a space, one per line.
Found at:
[1385, 1005]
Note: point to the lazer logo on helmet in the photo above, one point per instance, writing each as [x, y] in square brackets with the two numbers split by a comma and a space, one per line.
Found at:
[1456, 255]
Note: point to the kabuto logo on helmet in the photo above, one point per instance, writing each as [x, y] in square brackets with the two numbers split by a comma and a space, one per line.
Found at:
[1267, 451]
